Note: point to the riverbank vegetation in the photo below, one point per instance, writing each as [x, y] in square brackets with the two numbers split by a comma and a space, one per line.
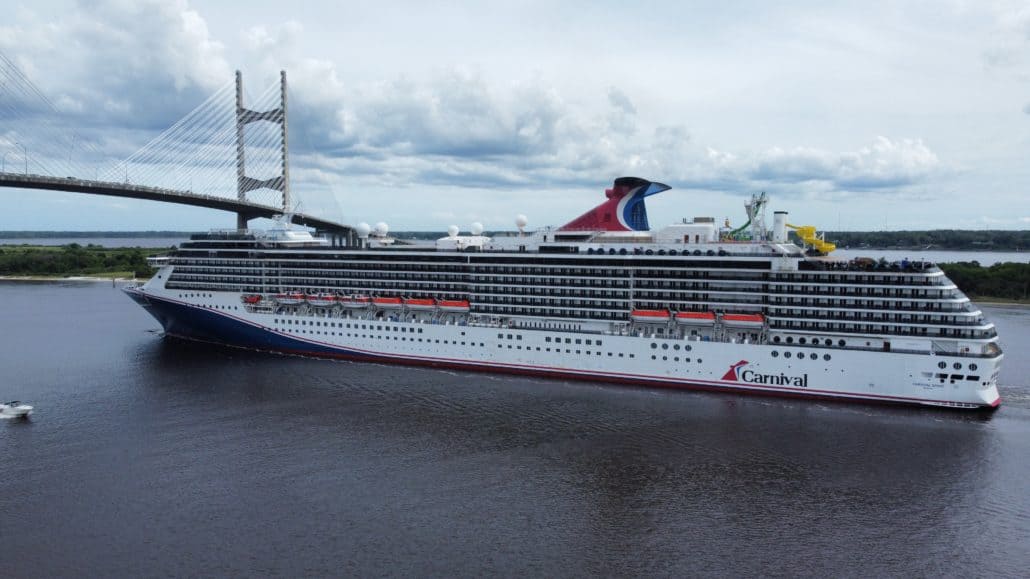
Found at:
[939, 239]
[1003, 282]
[1006, 282]
[75, 260]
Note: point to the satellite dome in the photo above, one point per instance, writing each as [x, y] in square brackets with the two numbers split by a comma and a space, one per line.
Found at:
[477, 228]
[382, 228]
[452, 231]
[363, 229]
[521, 221]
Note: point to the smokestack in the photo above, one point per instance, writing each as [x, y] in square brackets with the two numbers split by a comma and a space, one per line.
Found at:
[779, 227]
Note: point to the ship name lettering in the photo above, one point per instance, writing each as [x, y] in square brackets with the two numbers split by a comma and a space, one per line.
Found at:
[778, 379]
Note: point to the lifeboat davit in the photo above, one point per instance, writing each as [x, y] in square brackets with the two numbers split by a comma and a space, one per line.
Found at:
[387, 303]
[695, 318]
[250, 299]
[743, 320]
[322, 300]
[355, 301]
[420, 303]
[453, 305]
[653, 316]
[290, 299]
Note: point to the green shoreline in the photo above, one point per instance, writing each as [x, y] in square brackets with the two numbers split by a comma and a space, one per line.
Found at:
[1005, 283]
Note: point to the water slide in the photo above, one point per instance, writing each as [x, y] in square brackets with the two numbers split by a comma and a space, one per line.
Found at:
[740, 229]
[807, 234]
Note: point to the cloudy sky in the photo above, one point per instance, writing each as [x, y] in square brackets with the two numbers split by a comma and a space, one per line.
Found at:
[860, 116]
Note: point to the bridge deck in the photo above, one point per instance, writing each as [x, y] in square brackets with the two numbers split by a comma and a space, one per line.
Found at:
[129, 190]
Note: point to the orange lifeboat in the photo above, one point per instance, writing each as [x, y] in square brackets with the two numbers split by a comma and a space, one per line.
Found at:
[743, 320]
[250, 299]
[652, 316]
[387, 303]
[695, 318]
[459, 306]
[355, 301]
[290, 299]
[419, 303]
[322, 300]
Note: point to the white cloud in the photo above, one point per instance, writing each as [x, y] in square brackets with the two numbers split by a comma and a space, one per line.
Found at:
[798, 115]
[131, 59]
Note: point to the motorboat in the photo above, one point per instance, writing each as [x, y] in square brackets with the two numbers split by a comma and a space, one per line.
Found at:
[15, 409]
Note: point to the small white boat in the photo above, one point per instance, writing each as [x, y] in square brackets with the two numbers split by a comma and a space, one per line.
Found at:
[15, 409]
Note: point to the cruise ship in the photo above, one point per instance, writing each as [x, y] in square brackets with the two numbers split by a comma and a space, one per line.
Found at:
[694, 305]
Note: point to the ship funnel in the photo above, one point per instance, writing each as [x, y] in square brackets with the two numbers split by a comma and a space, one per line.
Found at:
[623, 211]
[779, 227]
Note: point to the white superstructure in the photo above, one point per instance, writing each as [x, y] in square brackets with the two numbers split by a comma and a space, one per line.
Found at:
[688, 306]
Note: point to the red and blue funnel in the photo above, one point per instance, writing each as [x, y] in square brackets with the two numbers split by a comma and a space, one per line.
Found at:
[623, 211]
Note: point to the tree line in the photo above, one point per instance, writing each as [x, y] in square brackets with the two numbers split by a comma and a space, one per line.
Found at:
[954, 239]
[1010, 281]
[72, 259]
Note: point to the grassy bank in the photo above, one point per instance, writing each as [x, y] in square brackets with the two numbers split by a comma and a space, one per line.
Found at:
[46, 261]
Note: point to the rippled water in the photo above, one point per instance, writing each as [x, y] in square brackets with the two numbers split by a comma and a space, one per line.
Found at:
[154, 456]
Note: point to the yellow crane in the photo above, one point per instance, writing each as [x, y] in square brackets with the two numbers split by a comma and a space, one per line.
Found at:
[808, 235]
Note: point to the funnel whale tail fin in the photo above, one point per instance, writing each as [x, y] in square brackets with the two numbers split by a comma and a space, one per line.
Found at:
[624, 209]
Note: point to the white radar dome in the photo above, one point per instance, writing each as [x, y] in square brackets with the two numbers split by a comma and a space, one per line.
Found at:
[477, 228]
[452, 231]
[521, 221]
[382, 228]
[363, 229]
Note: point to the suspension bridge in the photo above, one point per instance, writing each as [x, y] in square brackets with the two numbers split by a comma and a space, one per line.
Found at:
[222, 155]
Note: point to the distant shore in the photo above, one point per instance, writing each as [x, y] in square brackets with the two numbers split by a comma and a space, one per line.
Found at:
[39, 278]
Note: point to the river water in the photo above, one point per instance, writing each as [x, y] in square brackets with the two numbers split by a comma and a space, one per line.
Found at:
[152, 456]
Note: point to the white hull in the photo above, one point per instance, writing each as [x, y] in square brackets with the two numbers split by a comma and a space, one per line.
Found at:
[21, 411]
[809, 371]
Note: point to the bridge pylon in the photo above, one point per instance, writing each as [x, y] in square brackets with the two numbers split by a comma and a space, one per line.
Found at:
[244, 117]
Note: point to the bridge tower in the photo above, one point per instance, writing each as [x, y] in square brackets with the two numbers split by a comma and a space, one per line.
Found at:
[244, 117]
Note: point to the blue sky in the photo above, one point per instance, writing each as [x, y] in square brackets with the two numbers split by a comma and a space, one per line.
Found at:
[860, 115]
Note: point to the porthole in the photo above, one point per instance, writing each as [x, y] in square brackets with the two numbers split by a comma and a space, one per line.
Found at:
[665, 346]
[957, 366]
[972, 366]
[654, 345]
[776, 339]
[841, 343]
[829, 342]
[826, 357]
[677, 347]
[790, 339]
[786, 354]
[688, 347]
[775, 354]
[813, 356]
[802, 341]
[942, 365]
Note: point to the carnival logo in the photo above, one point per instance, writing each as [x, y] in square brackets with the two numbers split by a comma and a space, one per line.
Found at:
[732, 373]
[735, 374]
